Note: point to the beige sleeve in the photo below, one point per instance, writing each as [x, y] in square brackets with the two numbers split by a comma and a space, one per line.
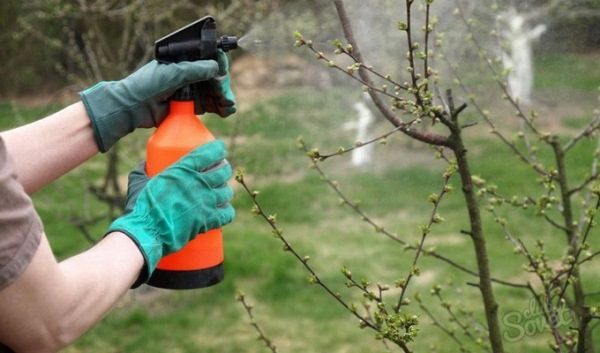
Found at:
[20, 226]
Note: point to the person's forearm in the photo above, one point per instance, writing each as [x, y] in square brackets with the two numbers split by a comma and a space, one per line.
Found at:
[48, 148]
[52, 304]
[97, 279]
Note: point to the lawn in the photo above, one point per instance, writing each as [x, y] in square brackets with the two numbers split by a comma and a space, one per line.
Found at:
[394, 191]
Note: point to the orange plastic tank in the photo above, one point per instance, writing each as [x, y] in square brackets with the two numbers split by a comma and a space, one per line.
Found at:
[200, 263]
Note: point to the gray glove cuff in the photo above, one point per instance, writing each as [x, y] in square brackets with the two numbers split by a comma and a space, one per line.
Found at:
[110, 115]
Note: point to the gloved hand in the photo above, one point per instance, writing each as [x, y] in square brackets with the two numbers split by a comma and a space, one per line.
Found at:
[116, 108]
[163, 213]
[216, 96]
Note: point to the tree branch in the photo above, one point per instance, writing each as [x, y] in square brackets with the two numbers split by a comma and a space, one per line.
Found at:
[261, 335]
[429, 138]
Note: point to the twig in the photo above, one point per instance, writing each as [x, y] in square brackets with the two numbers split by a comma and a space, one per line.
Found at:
[585, 183]
[428, 30]
[592, 127]
[588, 195]
[434, 218]
[528, 201]
[548, 310]
[496, 75]
[485, 115]
[358, 144]
[574, 264]
[261, 336]
[349, 73]
[454, 318]
[589, 257]
[437, 323]
[354, 206]
[429, 138]
[314, 278]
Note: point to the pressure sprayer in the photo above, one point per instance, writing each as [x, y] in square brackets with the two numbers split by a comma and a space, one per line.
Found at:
[200, 263]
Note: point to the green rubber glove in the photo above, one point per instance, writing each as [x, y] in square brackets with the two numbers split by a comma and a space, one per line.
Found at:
[216, 96]
[163, 213]
[116, 108]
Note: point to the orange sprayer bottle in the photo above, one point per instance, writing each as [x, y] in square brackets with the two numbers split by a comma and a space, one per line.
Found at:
[200, 263]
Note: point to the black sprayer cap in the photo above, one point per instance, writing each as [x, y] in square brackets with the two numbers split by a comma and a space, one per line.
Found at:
[196, 41]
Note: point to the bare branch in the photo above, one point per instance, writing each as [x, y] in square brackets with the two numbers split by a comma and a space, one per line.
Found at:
[434, 218]
[439, 325]
[592, 127]
[261, 335]
[383, 108]
[358, 144]
[278, 233]
[497, 76]
[486, 117]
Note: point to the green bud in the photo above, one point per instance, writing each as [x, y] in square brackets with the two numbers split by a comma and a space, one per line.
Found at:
[346, 272]
[239, 175]
[478, 181]
[437, 218]
[434, 198]
[314, 153]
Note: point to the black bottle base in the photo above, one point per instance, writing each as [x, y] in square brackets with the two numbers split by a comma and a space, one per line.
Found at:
[196, 279]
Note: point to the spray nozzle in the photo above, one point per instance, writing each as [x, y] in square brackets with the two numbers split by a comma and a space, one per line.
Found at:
[196, 41]
[227, 43]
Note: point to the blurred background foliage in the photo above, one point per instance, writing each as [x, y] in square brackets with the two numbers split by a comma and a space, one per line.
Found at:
[107, 39]
[78, 41]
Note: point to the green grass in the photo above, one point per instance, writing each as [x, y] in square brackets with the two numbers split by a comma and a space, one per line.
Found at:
[567, 71]
[552, 71]
[297, 316]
